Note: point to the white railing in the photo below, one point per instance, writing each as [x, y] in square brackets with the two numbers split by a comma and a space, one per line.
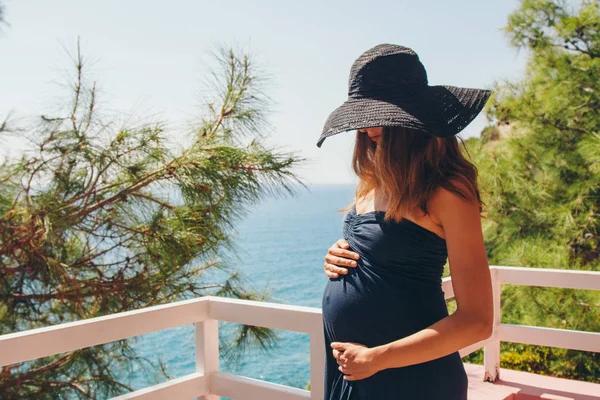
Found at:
[568, 339]
[563, 338]
[209, 383]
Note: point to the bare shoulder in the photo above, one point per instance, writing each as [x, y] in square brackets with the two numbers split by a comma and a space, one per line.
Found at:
[446, 205]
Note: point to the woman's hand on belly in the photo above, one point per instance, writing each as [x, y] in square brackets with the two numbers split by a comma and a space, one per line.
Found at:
[355, 360]
[338, 257]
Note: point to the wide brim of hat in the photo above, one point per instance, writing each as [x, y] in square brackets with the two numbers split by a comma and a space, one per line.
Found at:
[438, 110]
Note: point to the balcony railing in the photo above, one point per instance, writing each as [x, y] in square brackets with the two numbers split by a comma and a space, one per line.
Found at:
[209, 383]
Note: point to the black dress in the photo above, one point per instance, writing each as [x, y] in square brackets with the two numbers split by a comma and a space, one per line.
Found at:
[394, 292]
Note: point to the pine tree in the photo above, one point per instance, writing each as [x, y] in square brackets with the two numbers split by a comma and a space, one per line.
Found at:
[97, 218]
[542, 178]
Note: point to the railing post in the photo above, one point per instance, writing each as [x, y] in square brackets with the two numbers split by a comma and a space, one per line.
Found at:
[491, 351]
[207, 351]
[317, 362]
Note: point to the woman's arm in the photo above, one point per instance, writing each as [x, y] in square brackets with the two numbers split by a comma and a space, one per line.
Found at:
[473, 319]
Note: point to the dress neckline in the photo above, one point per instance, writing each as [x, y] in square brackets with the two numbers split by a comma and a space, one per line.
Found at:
[381, 212]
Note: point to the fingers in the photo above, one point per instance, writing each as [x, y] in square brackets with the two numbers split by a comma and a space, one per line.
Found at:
[332, 258]
[343, 243]
[333, 271]
[336, 354]
[339, 356]
[347, 375]
[331, 274]
[339, 249]
[338, 257]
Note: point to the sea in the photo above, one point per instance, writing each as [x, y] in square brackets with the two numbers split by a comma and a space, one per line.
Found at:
[281, 246]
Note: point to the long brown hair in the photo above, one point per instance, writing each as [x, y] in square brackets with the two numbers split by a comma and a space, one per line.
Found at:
[407, 166]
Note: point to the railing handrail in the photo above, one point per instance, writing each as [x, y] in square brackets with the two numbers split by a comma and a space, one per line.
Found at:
[204, 312]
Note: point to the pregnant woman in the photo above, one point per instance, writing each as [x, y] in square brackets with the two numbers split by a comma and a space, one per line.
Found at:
[388, 333]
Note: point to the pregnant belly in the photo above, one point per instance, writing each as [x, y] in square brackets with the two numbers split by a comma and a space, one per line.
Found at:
[365, 308]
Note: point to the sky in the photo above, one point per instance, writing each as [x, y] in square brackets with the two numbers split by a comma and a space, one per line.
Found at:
[151, 59]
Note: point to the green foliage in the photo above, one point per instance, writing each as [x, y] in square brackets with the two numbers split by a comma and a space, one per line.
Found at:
[561, 363]
[542, 182]
[97, 218]
[552, 25]
[489, 133]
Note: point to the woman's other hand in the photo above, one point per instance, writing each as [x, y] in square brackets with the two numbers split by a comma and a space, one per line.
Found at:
[356, 361]
[339, 257]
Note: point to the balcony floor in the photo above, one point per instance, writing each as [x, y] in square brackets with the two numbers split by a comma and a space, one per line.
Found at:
[517, 385]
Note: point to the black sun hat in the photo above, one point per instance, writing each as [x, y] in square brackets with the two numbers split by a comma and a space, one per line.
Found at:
[388, 87]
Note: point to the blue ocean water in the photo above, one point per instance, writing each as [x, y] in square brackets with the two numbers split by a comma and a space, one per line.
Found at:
[281, 247]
